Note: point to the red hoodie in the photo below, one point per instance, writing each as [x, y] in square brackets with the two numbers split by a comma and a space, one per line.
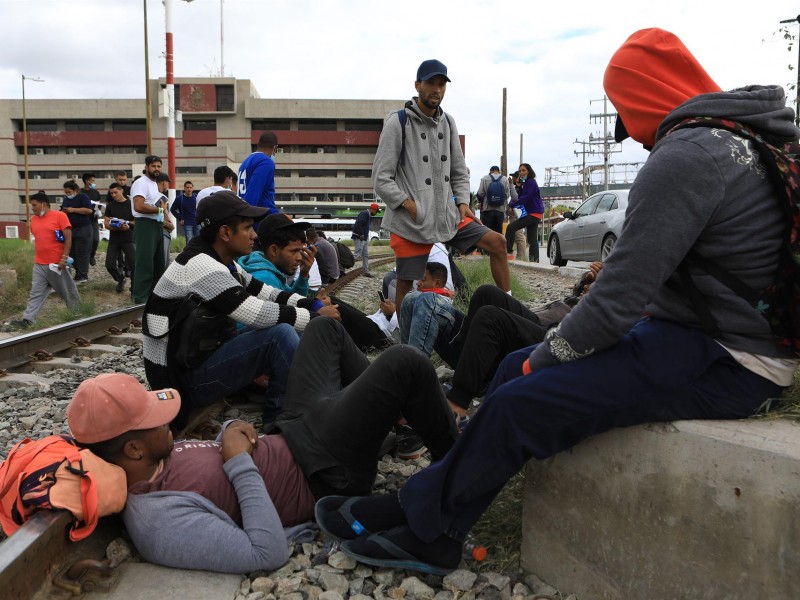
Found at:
[648, 77]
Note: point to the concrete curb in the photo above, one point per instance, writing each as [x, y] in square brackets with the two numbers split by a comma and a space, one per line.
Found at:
[690, 509]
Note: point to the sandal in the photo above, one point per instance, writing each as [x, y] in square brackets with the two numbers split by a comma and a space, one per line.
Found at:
[398, 558]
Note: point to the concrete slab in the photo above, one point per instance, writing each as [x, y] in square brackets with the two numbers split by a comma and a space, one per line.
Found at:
[43, 366]
[144, 581]
[20, 380]
[691, 509]
[95, 350]
[124, 339]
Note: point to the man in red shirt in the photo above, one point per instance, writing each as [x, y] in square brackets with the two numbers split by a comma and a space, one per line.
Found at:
[53, 234]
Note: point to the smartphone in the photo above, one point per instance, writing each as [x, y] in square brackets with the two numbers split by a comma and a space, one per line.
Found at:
[381, 297]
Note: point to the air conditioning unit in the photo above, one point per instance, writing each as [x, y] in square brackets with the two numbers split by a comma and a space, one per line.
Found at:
[37, 176]
[39, 151]
[312, 199]
[72, 150]
[279, 150]
[320, 150]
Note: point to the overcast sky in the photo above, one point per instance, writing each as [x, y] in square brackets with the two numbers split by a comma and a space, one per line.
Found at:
[550, 55]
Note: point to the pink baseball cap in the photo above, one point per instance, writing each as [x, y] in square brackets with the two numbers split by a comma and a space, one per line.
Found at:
[114, 403]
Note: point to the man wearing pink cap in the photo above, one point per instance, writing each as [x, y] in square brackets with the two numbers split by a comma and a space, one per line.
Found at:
[361, 236]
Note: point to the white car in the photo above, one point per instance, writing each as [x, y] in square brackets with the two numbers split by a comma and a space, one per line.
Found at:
[589, 233]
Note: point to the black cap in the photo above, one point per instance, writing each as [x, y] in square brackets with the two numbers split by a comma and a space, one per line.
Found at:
[431, 68]
[276, 222]
[620, 133]
[223, 205]
[494, 168]
[163, 177]
[151, 158]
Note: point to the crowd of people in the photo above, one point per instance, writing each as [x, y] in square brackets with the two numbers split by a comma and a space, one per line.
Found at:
[627, 346]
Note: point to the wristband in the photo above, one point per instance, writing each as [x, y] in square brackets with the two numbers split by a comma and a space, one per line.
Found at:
[317, 305]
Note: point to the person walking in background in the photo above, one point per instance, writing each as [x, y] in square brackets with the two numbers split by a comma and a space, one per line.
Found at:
[184, 208]
[78, 208]
[361, 237]
[223, 180]
[256, 179]
[493, 196]
[529, 201]
[53, 233]
[148, 213]
[90, 189]
[119, 222]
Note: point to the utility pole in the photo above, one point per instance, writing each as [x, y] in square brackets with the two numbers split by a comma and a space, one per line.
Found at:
[25, 153]
[521, 160]
[149, 110]
[606, 142]
[797, 89]
[583, 152]
[504, 156]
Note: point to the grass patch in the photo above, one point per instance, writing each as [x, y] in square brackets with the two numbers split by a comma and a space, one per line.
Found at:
[18, 255]
[477, 273]
[785, 407]
[500, 529]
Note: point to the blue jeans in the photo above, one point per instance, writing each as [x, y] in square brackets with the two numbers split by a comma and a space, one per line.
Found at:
[659, 371]
[190, 231]
[252, 353]
[428, 322]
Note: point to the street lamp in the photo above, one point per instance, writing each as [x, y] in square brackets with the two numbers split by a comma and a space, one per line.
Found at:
[25, 152]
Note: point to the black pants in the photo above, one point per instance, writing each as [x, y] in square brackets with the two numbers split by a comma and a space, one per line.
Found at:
[493, 219]
[531, 223]
[339, 407]
[496, 324]
[81, 247]
[95, 238]
[118, 255]
[365, 332]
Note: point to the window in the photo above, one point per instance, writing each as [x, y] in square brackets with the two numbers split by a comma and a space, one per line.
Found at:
[191, 170]
[360, 149]
[363, 125]
[605, 203]
[91, 150]
[225, 97]
[129, 149]
[316, 125]
[316, 173]
[40, 125]
[271, 125]
[587, 208]
[283, 173]
[200, 125]
[84, 126]
[358, 173]
[39, 175]
[137, 125]
[12, 231]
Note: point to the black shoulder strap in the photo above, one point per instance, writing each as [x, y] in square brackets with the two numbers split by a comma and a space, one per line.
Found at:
[402, 117]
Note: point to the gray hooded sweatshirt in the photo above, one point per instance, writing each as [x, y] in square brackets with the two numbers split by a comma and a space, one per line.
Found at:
[701, 189]
[433, 170]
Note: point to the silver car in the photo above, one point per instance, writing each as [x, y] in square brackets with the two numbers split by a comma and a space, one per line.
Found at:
[591, 231]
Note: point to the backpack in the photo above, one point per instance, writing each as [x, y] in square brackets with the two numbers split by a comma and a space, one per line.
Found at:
[779, 303]
[402, 116]
[496, 193]
[54, 473]
[346, 258]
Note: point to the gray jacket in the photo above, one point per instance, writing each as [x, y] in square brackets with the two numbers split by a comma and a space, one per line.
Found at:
[433, 171]
[701, 189]
[483, 190]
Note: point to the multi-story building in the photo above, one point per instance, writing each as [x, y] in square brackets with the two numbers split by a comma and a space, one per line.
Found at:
[325, 154]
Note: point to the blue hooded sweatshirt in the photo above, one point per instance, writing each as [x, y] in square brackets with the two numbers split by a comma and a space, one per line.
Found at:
[260, 267]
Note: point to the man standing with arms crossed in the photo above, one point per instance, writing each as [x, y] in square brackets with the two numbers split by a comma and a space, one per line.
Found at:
[420, 173]
[148, 212]
[257, 174]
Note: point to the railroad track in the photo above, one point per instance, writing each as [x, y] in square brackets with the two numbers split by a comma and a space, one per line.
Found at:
[39, 561]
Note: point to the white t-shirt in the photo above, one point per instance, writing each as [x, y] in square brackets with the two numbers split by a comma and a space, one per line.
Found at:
[206, 192]
[148, 189]
[439, 255]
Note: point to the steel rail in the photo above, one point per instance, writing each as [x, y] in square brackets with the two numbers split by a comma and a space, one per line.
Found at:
[16, 351]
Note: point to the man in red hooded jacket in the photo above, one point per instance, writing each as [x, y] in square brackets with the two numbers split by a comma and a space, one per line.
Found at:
[702, 190]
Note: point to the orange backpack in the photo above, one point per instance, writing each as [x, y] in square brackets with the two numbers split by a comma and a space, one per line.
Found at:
[54, 473]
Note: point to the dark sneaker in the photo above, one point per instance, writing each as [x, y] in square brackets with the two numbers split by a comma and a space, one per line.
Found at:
[80, 281]
[20, 323]
[409, 444]
[120, 286]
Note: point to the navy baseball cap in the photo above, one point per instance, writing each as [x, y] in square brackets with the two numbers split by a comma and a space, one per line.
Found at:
[431, 68]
